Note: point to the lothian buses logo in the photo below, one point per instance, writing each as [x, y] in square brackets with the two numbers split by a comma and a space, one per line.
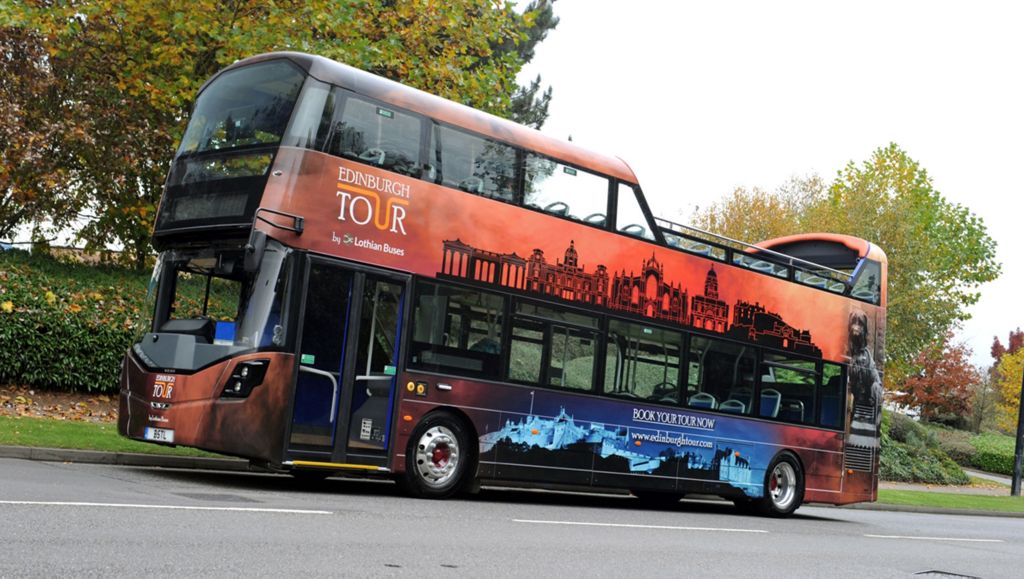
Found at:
[362, 203]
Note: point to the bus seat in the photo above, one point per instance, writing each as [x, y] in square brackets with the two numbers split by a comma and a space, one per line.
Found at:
[472, 185]
[770, 400]
[792, 410]
[703, 400]
[733, 406]
[665, 392]
[374, 155]
[830, 411]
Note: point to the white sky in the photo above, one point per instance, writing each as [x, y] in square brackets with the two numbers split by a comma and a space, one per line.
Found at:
[702, 97]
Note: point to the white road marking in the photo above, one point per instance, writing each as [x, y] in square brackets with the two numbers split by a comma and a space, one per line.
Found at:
[935, 539]
[166, 507]
[629, 526]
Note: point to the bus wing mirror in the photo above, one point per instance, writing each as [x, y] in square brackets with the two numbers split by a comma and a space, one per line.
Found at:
[254, 251]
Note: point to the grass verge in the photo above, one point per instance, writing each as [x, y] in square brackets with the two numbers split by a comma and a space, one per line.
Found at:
[1005, 504]
[47, 433]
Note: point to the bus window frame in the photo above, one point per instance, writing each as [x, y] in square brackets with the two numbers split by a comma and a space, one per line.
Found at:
[342, 96]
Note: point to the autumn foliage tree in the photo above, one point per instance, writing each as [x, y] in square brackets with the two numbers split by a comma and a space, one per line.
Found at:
[120, 77]
[1010, 374]
[939, 252]
[944, 386]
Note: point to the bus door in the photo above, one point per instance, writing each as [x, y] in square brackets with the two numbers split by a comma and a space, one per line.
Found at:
[348, 357]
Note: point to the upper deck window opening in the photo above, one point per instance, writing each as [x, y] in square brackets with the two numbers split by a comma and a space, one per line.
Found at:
[243, 107]
[373, 133]
[566, 191]
[477, 165]
[629, 216]
[868, 284]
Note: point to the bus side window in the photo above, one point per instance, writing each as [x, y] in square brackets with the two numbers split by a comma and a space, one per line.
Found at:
[831, 395]
[725, 373]
[477, 165]
[629, 217]
[375, 134]
[457, 331]
[642, 362]
[566, 191]
[552, 347]
[788, 388]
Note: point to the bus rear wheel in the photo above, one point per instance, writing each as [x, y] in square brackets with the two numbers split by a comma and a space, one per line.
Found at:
[783, 488]
[437, 458]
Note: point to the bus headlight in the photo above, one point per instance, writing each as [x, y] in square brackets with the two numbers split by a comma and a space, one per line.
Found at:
[246, 376]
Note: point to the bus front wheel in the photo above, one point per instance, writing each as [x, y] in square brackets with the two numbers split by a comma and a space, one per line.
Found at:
[437, 458]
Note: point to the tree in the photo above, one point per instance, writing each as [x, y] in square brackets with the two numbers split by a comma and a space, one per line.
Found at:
[759, 215]
[27, 134]
[527, 107]
[1015, 342]
[939, 252]
[1010, 372]
[125, 73]
[943, 388]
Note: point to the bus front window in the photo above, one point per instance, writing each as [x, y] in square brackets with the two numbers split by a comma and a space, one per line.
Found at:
[213, 308]
[218, 175]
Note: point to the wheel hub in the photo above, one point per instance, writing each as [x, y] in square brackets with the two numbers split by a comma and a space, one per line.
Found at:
[437, 456]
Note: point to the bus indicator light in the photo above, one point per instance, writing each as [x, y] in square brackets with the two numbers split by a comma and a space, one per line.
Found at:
[637, 443]
[411, 386]
[407, 418]
[421, 388]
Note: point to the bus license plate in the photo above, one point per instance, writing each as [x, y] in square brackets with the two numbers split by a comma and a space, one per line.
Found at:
[159, 435]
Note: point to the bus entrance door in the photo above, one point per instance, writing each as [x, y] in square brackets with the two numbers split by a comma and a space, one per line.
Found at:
[348, 356]
[375, 365]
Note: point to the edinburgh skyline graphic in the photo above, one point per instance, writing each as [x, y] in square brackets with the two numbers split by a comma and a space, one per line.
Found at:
[645, 294]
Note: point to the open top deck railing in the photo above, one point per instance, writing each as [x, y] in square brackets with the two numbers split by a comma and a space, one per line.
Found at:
[728, 250]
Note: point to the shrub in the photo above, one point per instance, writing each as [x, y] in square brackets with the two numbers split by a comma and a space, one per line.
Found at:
[994, 452]
[956, 444]
[65, 326]
[911, 453]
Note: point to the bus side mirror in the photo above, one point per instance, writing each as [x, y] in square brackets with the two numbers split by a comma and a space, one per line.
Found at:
[254, 251]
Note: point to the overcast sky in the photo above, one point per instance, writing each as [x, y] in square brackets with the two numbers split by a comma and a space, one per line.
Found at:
[702, 97]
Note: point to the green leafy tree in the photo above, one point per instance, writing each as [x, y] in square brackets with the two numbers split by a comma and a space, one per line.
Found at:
[759, 215]
[124, 75]
[939, 252]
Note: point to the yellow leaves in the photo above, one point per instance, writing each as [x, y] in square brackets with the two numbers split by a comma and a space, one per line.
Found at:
[51, 298]
[7, 307]
[74, 308]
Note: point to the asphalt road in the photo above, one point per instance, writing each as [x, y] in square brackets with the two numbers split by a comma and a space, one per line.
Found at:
[94, 520]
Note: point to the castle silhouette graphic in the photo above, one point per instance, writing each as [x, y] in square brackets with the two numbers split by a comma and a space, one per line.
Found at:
[646, 293]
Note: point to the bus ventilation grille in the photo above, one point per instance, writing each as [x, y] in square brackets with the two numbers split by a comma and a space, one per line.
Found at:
[859, 458]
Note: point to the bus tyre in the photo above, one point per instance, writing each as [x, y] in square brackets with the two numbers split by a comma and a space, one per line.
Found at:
[783, 487]
[437, 458]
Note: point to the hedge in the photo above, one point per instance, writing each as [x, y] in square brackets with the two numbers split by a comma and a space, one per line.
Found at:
[65, 326]
[993, 453]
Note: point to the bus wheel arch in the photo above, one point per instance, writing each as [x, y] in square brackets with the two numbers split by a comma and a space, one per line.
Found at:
[784, 483]
[441, 455]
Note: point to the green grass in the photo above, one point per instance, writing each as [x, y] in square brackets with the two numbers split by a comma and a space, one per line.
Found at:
[48, 433]
[1005, 504]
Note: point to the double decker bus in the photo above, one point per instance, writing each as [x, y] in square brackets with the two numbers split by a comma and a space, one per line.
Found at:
[355, 276]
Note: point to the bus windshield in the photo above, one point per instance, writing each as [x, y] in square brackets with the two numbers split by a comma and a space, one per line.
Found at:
[223, 310]
[246, 106]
